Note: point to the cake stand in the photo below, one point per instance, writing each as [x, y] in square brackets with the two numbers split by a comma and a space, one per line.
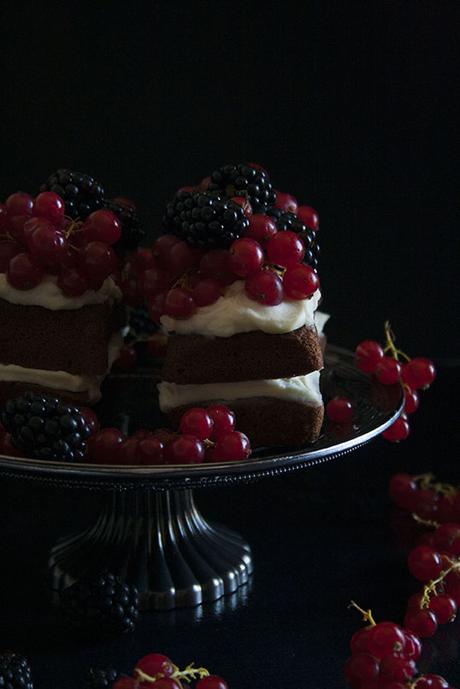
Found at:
[149, 529]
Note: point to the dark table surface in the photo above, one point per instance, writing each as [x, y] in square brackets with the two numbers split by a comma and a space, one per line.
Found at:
[319, 539]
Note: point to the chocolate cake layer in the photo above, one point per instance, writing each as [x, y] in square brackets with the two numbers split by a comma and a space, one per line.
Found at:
[270, 422]
[194, 359]
[9, 390]
[74, 341]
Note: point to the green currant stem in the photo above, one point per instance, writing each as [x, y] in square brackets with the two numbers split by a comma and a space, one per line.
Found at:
[390, 344]
[367, 614]
[430, 588]
[424, 522]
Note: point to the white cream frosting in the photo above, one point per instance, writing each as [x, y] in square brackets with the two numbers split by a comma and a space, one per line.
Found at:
[48, 295]
[235, 312]
[321, 318]
[304, 389]
[62, 380]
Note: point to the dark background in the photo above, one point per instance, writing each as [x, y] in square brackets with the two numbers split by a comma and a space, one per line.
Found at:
[350, 105]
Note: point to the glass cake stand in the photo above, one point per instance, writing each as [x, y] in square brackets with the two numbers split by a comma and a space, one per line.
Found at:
[149, 529]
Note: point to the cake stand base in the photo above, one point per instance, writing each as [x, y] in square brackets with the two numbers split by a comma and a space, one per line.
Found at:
[160, 542]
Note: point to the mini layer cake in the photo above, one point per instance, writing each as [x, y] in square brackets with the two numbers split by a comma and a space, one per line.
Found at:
[54, 342]
[263, 361]
[237, 293]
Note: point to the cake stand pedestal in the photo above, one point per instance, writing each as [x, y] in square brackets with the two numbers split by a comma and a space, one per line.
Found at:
[149, 529]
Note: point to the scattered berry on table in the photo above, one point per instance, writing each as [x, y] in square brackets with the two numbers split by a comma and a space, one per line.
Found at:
[339, 410]
[102, 604]
[15, 671]
[46, 428]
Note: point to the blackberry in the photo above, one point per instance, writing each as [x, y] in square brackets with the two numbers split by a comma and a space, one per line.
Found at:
[103, 604]
[101, 679]
[205, 220]
[289, 221]
[46, 428]
[15, 672]
[82, 194]
[131, 230]
[140, 323]
[244, 180]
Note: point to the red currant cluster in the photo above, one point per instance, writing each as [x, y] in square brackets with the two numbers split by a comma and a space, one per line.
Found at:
[157, 671]
[36, 238]
[176, 279]
[391, 366]
[384, 655]
[205, 435]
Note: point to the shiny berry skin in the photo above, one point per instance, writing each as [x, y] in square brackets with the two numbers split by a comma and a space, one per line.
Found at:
[179, 303]
[19, 203]
[309, 217]
[246, 257]
[24, 272]
[142, 260]
[421, 622]
[216, 264]
[339, 410]
[447, 538]
[412, 646]
[403, 491]
[397, 667]
[163, 245]
[8, 249]
[103, 445]
[162, 683]
[399, 430]
[223, 420]
[153, 281]
[196, 422]
[300, 282]
[286, 202]
[388, 371]
[424, 563]
[126, 359]
[266, 287]
[426, 503]
[361, 668]
[360, 640]
[72, 283]
[16, 225]
[261, 227]
[432, 682]
[47, 245]
[155, 664]
[102, 226]
[183, 258]
[98, 262]
[126, 683]
[243, 202]
[285, 249]
[185, 449]
[368, 355]
[419, 373]
[50, 206]
[91, 419]
[3, 216]
[411, 400]
[212, 682]
[444, 608]
[385, 638]
[207, 291]
[150, 450]
[126, 452]
[232, 447]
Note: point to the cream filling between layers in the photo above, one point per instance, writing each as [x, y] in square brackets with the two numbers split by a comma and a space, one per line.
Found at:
[48, 295]
[304, 389]
[235, 312]
[62, 380]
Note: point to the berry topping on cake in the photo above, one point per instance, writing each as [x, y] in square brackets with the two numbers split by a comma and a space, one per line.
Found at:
[131, 230]
[81, 193]
[104, 604]
[205, 220]
[246, 180]
[46, 428]
[15, 671]
[288, 221]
